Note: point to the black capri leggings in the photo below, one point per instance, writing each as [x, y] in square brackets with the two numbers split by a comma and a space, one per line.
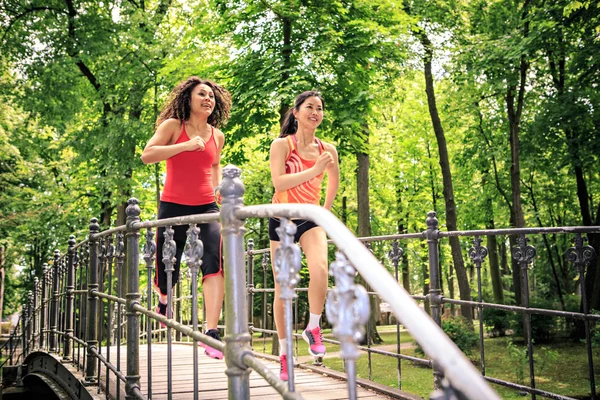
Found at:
[210, 234]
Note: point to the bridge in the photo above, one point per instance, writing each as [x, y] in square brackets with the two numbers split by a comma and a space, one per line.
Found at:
[89, 330]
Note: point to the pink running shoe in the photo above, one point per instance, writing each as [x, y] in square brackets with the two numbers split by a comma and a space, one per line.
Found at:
[314, 338]
[210, 351]
[283, 371]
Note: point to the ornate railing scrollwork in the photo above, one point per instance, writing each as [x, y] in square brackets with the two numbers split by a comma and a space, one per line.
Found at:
[348, 310]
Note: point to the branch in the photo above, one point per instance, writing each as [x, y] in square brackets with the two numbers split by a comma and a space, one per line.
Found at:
[24, 14]
[494, 165]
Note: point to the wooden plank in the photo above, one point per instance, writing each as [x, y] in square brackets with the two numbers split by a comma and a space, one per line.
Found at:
[212, 381]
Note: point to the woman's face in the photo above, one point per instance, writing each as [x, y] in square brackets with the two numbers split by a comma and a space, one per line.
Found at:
[203, 100]
[310, 113]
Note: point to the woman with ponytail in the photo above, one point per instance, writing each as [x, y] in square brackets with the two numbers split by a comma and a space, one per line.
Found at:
[299, 161]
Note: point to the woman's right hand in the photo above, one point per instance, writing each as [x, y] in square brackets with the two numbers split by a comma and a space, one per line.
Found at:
[324, 160]
[195, 144]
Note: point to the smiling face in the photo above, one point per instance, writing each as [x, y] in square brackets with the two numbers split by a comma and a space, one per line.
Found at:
[310, 113]
[202, 100]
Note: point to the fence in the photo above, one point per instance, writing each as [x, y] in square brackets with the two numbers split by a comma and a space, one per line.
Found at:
[78, 298]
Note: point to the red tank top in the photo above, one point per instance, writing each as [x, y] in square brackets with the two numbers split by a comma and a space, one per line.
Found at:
[308, 192]
[189, 174]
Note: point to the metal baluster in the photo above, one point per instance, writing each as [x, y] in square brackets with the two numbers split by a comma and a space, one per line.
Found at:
[149, 257]
[132, 386]
[43, 320]
[287, 267]
[24, 318]
[54, 304]
[523, 254]
[265, 263]
[119, 255]
[194, 252]
[581, 256]
[348, 310]
[101, 270]
[69, 318]
[77, 313]
[35, 324]
[434, 296]
[92, 306]
[168, 254]
[63, 301]
[237, 339]
[84, 309]
[250, 287]
[395, 255]
[30, 319]
[110, 255]
[477, 253]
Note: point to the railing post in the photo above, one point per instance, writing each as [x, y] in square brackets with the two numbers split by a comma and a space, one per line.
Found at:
[434, 296]
[24, 317]
[35, 324]
[348, 310]
[30, 322]
[250, 287]
[43, 303]
[477, 253]
[194, 250]
[523, 254]
[237, 338]
[581, 256]
[287, 267]
[54, 305]
[70, 300]
[149, 258]
[395, 255]
[92, 306]
[133, 296]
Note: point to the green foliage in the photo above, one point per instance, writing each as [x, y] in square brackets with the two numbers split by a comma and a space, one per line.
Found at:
[543, 327]
[496, 321]
[518, 356]
[460, 332]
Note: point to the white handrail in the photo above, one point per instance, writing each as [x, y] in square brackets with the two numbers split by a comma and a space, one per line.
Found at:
[456, 367]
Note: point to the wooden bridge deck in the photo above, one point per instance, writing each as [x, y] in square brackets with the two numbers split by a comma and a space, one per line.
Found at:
[212, 381]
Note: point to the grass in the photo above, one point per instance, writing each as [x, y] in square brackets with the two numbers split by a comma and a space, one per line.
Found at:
[560, 367]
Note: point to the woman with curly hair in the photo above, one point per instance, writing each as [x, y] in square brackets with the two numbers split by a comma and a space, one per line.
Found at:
[187, 136]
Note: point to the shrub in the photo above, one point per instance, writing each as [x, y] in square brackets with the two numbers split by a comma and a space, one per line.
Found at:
[496, 321]
[460, 332]
[543, 327]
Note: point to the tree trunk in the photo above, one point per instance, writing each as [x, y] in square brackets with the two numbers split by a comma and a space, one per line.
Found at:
[402, 227]
[514, 112]
[451, 217]
[364, 223]
[548, 248]
[286, 54]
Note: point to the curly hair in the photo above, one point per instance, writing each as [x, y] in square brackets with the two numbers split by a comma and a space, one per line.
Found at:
[179, 104]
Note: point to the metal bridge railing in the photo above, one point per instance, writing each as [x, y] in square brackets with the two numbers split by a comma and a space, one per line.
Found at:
[84, 294]
[579, 255]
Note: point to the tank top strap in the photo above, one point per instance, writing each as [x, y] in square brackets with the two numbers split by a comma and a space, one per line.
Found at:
[321, 146]
[292, 144]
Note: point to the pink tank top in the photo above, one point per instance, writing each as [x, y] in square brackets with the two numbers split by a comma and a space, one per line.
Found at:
[308, 192]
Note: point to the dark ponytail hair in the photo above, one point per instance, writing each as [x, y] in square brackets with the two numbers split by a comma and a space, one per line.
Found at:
[289, 126]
